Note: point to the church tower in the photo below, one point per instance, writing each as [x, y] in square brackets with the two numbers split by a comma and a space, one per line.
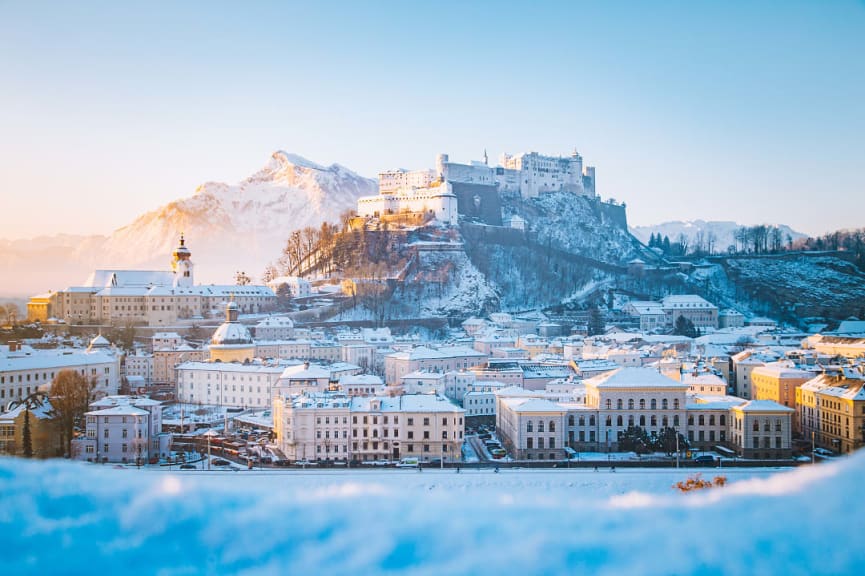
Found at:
[182, 266]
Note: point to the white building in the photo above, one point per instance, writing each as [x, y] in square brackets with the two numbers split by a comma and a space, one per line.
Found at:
[227, 383]
[275, 328]
[337, 427]
[24, 370]
[535, 174]
[444, 359]
[436, 200]
[299, 287]
[699, 311]
[121, 429]
[651, 315]
[140, 364]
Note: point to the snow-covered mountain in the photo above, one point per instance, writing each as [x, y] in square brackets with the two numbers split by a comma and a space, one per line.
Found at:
[228, 227]
[723, 231]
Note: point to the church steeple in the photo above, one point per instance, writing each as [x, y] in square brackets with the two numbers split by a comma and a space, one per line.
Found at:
[181, 264]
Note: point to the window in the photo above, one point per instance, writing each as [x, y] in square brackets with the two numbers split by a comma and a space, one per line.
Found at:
[426, 434]
[609, 420]
[540, 443]
[654, 404]
[630, 404]
[530, 443]
[619, 404]
[664, 405]
[426, 447]
[426, 421]
[756, 429]
[552, 443]
[642, 420]
[675, 404]
[552, 426]
[654, 420]
[540, 425]
[411, 421]
[530, 427]
[711, 419]
[571, 420]
[592, 420]
[676, 420]
[619, 420]
[642, 404]
[609, 404]
[701, 420]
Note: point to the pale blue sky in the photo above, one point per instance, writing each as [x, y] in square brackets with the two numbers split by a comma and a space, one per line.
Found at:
[747, 111]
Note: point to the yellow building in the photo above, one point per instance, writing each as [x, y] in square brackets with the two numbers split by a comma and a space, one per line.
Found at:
[45, 436]
[831, 409]
[779, 381]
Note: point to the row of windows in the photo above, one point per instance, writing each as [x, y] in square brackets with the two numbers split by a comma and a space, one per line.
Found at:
[653, 405]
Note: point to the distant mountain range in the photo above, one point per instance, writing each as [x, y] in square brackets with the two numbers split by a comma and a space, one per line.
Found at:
[723, 231]
[228, 228]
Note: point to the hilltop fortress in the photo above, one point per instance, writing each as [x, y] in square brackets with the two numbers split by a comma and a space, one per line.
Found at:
[474, 190]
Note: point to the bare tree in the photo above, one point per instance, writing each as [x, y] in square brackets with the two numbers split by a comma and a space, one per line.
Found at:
[70, 397]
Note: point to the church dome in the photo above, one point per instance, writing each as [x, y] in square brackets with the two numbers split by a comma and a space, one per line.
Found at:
[231, 333]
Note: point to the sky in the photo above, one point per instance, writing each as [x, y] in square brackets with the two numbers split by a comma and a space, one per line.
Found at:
[745, 111]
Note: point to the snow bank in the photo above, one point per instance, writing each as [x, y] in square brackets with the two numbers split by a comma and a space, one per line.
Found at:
[59, 517]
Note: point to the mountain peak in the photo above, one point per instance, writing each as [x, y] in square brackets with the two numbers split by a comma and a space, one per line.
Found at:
[284, 158]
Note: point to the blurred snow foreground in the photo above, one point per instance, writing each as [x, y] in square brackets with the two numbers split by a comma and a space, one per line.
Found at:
[60, 517]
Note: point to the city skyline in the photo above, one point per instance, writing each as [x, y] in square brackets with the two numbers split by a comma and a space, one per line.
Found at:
[722, 112]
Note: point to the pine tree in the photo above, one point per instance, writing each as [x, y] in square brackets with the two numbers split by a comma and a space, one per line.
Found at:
[596, 322]
[666, 244]
[27, 441]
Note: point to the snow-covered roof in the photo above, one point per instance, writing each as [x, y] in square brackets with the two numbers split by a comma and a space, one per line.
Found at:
[633, 377]
[119, 410]
[782, 370]
[762, 406]
[532, 405]
[685, 301]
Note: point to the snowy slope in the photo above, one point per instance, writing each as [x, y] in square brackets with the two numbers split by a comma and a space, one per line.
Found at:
[228, 227]
[723, 231]
[72, 518]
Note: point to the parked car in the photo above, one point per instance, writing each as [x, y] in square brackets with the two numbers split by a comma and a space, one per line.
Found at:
[221, 462]
[305, 463]
[704, 459]
[187, 466]
[823, 452]
[408, 462]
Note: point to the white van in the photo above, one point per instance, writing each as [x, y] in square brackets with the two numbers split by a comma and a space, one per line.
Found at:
[408, 462]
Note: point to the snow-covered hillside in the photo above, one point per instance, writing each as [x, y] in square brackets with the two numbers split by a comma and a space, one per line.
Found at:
[228, 227]
[61, 517]
[723, 231]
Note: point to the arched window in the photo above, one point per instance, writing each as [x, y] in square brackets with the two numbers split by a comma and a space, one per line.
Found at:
[665, 422]
[654, 404]
[766, 425]
[571, 420]
[676, 420]
[642, 420]
[756, 426]
[701, 420]
[711, 419]
[642, 404]
[723, 420]
[630, 404]
[591, 420]
[778, 425]
[540, 425]
[654, 420]
[529, 443]
[529, 426]
[664, 405]
[552, 425]
[618, 421]
[609, 404]
[675, 404]
[609, 420]
[630, 421]
[582, 421]
[619, 404]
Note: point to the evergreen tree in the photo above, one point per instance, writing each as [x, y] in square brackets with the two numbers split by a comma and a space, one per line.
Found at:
[27, 441]
[666, 245]
[596, 323]
[685, 327]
